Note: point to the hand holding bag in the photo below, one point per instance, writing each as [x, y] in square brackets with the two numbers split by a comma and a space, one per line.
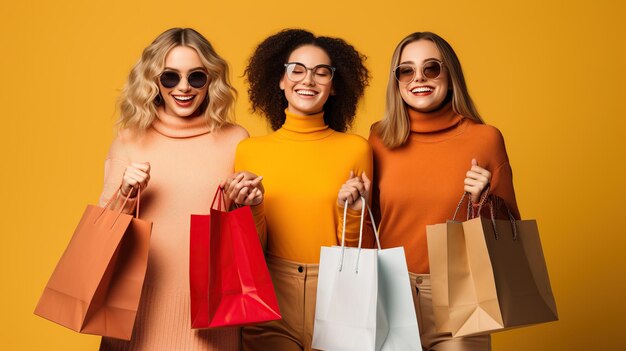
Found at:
[496, 275]
[364, 299]
[348, 314]
[96, 285]
[229, 280]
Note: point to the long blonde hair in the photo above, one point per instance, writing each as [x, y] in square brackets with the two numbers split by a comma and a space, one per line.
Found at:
[394, 128]
[140, 97]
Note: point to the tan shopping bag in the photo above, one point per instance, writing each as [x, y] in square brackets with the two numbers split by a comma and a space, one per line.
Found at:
[495, 274]
[96, 285]
[446, 249]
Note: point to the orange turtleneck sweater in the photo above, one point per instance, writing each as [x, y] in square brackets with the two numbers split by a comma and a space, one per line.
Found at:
[421, 182]
[303, 164]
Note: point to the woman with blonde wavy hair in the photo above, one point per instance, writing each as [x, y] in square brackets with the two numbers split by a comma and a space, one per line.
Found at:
[430, 148]
[176, 141]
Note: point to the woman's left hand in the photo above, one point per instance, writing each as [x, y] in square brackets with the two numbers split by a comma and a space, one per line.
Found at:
[476, 180]
[244, 188]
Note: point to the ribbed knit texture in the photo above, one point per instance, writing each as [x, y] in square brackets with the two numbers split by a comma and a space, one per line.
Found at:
[187, 164]
[421, 182]
[303, 165]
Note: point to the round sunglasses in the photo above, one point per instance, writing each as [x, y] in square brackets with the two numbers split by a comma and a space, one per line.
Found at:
[406, 72]
[170, 79]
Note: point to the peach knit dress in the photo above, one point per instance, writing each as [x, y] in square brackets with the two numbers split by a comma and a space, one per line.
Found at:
[187, 163]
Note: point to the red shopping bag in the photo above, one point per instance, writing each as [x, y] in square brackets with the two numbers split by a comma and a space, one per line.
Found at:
[229, 280]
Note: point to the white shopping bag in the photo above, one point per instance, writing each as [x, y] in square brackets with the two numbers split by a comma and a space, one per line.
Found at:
[364, 299]
[394, 294]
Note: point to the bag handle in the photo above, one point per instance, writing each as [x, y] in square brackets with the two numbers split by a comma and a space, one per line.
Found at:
[219, 192]
[119, 212]
[488, 201]
[499, 202]
[343, 232]
[470, 209]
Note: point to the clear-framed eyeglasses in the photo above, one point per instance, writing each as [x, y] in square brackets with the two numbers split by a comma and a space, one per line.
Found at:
[405, 73]
[322, 74]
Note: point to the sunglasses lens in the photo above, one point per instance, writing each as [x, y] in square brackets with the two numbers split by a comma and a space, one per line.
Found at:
[431, 69]
[169, 79]
[404, 73]
[197, 79]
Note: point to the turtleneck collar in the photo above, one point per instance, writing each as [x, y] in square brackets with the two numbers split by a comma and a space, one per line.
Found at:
[298, 127]
[180, 127]
[435, 121]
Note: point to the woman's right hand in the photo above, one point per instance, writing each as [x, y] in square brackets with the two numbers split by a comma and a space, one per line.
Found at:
[244, 188]
[136, 176]
[352, 190]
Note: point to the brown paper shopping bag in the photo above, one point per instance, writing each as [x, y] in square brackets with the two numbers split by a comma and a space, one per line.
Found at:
[446, 249]
[494, 277]
[96, 285]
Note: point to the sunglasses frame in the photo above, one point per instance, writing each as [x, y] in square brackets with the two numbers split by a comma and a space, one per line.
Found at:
[180, 77]
[395, 74]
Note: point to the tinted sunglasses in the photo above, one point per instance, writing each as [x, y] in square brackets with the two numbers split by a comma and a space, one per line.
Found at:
[170, 79]
[405, 72]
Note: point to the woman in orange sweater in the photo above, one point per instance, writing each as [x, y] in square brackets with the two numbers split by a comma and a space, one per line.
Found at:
[176, 142]
[430, 147]
[308, 87]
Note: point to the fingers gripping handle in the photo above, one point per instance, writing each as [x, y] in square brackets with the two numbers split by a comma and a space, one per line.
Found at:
[119, 212]
[343, 232]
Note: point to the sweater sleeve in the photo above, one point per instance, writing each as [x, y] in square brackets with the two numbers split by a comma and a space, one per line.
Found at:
[363, 164]
[114, 166]
[502, 186]
[502, 177]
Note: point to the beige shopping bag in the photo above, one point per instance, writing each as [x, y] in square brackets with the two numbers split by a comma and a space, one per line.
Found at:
[489, 274]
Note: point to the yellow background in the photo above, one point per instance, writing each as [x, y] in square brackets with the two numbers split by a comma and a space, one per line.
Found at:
[549, 74]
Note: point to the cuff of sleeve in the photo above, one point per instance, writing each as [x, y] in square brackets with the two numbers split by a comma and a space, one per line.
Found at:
[258, 210]
[353, 223]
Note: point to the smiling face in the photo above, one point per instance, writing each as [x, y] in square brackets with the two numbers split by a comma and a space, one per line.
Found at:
[183, 100]
[307, 97]
[423, 94]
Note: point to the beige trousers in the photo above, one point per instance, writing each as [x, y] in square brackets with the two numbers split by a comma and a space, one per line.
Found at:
[296, 290]
[431, 339]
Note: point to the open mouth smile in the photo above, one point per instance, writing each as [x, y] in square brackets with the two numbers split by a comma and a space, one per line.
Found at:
[184, 100]
[306, 92]
[422, 90]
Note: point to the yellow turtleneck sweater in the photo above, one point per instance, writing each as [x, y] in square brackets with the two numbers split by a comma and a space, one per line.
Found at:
[303, 165]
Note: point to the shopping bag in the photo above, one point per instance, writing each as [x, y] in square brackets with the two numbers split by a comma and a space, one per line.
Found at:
[96, 285]
[364, 299]
[446, 250]
[504, 282]
[348, 313]
[229, 281]
[394, 292]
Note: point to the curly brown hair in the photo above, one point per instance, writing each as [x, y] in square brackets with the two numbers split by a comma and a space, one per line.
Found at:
[266, 68]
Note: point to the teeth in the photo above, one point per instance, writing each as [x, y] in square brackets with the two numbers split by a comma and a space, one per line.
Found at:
[183, 98]
[421, 90]
[306, 92]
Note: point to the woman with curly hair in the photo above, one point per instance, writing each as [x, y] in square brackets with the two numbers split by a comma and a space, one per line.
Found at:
[430, 148]
[308, 88]
[176, 133]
